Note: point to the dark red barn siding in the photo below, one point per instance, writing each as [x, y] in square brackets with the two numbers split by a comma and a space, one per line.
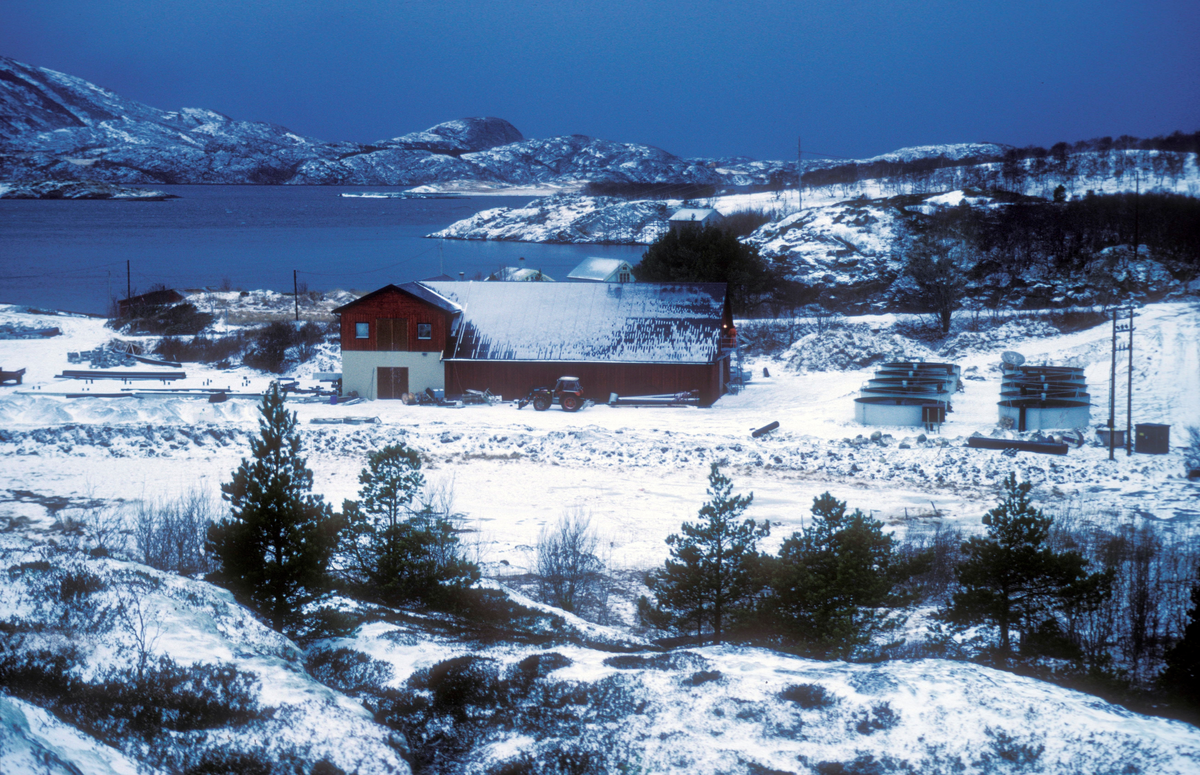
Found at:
[393, 303]
[513, 379]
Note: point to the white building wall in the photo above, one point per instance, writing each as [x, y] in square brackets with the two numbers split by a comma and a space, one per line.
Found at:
[425, 370]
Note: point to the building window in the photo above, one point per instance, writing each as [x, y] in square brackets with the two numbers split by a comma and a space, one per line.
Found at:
[362, 330]
[624, 277]
[424, 330]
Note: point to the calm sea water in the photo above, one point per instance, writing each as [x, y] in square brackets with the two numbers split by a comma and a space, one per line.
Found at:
[71, 255]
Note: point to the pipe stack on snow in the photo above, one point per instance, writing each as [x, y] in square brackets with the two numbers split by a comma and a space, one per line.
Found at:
[908, 393]
[1042, 397]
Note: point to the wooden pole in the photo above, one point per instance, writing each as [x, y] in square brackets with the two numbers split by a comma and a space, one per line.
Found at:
[1129, 394]
[128, 282]
[1112, 392]
[296, 294]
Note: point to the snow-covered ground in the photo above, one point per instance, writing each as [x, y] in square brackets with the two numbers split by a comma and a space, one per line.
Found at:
[639, 472]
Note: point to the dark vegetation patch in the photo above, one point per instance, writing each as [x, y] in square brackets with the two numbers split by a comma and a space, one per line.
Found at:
[808, 696]
[118, 704]
[744, 222]
[626, 189]
[178, 320]
[265, 348]
[347, 670]
[879, 718]
[702, 677]
[681, 660]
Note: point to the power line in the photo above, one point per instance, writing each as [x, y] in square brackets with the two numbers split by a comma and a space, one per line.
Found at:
[60, 272]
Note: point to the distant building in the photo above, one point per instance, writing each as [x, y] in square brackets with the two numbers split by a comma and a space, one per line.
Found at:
[602, 270]
[519, 274]
[632, 338]
[694, 218]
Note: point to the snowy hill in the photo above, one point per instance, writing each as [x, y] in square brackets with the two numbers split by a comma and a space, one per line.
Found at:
[540, 705]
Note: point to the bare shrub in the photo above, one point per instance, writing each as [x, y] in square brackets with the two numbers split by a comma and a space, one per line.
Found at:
[570, 571]
[1191, 454]
[136, 620]
[931, 559]
[170, 533]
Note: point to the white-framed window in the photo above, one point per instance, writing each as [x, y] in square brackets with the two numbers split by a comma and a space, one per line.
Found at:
[362, 330]
[624, 277]
[424, 330]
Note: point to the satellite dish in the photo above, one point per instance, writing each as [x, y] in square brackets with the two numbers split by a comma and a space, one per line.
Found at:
[1011, 358]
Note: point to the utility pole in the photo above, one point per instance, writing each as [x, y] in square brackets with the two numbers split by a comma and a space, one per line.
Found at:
[128, 282]
[1112, 391]
[1129, 394]
[1137, 195]
[296, 294]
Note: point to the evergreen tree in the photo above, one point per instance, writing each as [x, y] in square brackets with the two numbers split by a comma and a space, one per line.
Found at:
[709, 576]
[710, 255]
[394, 551]
[1182, 674]
[829, 579]
[1013, 580]
[274, 548]
[935, 268]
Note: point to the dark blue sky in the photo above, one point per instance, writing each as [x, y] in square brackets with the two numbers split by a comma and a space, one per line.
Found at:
[694, 77]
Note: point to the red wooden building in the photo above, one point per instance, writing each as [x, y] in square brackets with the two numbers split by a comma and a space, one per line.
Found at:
[630, 339]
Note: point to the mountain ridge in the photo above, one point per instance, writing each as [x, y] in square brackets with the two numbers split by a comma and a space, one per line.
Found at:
[55, 126]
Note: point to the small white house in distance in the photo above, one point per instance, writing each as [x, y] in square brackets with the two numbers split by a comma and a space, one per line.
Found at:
[693, 218]
[519, 274]
[602, 270]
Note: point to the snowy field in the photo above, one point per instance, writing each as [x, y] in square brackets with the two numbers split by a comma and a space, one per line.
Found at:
[639, 472]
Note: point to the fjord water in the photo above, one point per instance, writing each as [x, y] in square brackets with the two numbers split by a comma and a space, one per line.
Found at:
[71, 255]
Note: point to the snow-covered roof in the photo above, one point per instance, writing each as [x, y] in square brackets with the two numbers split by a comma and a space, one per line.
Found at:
[415, 289]
[596, 269]
[693, 214]
[587, 322]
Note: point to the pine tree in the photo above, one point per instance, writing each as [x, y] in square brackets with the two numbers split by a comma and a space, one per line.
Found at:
[710, 574]
[1012, 579]
[829, 579]
[274, 548]
[396, 552]
[708, 255]
[1182, 674]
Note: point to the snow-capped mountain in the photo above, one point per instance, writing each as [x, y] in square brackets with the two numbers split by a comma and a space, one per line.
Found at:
[55, 126]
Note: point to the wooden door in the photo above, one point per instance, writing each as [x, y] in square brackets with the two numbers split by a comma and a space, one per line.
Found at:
[393, 382]
[391, 334]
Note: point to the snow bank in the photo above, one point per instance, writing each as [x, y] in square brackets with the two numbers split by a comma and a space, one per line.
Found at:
[851, 347]
[32, 742]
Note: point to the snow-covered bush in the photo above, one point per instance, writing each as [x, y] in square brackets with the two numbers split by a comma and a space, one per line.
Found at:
[348, 670]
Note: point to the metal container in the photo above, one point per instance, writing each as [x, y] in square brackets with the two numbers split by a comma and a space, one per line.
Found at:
[1031, 414]
[1152, 438]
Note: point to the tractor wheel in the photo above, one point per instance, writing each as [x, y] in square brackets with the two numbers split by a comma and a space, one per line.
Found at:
[541, 403]
[569, 403]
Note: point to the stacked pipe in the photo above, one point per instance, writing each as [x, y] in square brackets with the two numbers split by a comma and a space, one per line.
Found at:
[1043, 397]
[908, 393]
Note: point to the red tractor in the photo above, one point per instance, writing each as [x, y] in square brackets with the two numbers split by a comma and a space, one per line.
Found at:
[566, 393]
